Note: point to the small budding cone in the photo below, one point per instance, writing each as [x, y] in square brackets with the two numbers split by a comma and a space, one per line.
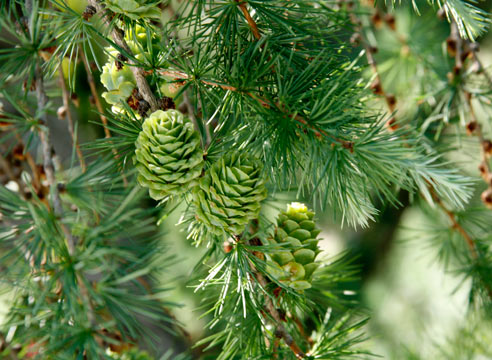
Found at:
[471, 127]
[294, 264]
[487, 197]
[377, 20]
[487, 147]
[451, 46]
[483, 170]
[390, 20]
[169, 157]
[117, 76]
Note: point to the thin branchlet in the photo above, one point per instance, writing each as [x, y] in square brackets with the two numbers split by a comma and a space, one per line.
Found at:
[280, 330]
[48, 154]
[142, 84]
[319, 133]
[464, 49]
[66, 105]
[252, 24]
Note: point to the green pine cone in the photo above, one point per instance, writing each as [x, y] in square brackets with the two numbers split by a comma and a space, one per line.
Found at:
[294, 266]
[168, 154]
[229, 194]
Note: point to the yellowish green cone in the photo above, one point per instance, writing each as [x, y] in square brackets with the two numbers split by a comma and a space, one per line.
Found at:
[294, 266]
[169, 157]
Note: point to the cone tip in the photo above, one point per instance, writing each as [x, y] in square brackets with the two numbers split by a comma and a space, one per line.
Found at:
[296, 207]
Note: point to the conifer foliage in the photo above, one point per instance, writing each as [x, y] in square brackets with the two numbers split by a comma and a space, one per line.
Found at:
[219, 110]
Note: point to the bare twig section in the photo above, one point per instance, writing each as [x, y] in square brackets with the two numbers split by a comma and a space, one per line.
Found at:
[477, 130]
[95, 95]
[48, 154]
[66, 105]
[377, 85]
[455, 224]
[138, 72]
[455, 35]
[99, 107]
[302, 332]
[252, 24]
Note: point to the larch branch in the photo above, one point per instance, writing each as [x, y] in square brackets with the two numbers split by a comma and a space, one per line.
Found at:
[142, 84]
[66, 105]
[179, 75]
[48, 154]
[252, 24]
[280, 332]
[95, 95]
[99, 107]
[378, 89]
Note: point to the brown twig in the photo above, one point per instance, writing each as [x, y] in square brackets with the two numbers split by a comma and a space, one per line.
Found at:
[377, 85]
[280, 332]
[66, 105]
[99, 107]
[300, 326]
[249, 19]
[179, 75]
[95, 95]
[478, 131]
[455, 225]
[138, 72]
